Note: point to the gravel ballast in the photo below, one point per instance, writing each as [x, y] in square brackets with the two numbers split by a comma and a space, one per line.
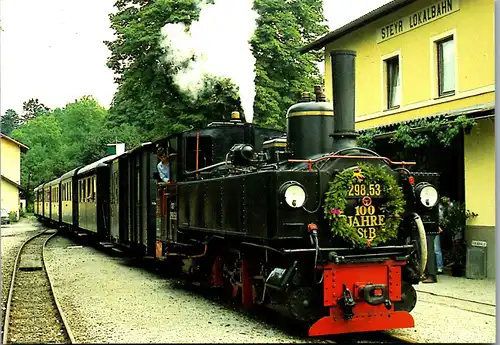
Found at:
[105, 300]
[12, 237]
[34, 317]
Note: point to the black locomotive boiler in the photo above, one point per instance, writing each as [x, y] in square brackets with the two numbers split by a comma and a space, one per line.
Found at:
[304, 222]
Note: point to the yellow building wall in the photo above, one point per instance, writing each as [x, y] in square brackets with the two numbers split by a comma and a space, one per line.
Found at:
[473, 26]
[10, 157]
[479, 161]
[9, 197]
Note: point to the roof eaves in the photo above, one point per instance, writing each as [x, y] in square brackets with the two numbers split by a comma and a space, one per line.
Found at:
[469, 111]
[23, 147]
[11, 182]
[356, 24]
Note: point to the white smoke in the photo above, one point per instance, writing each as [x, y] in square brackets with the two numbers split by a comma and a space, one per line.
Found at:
[217, 44]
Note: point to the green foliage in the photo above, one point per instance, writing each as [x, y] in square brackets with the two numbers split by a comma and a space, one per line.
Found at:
[10, 121]
[147, 96]
[281, 71]
[13, 216]
[336, 200]
[454, 216]
[66, 138]
[366, 139]
[32, 108]
[442, 129]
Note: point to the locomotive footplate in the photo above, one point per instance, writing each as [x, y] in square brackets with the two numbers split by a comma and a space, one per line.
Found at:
[361, 298]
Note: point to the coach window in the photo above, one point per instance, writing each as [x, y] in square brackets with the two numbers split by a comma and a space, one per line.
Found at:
[446, 66]
[204, 152]
[393, 82]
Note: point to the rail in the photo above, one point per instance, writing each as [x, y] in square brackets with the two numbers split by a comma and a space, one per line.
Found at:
[5, 337]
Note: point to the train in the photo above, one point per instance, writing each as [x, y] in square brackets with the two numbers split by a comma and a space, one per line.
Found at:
[303, 221]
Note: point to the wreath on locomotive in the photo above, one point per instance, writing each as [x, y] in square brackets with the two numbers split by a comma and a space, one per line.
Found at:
[370, 224]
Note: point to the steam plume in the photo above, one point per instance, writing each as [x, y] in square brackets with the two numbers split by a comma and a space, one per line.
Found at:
[217, 44]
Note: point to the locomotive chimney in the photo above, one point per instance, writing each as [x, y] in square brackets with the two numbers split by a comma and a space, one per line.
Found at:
[343, 91]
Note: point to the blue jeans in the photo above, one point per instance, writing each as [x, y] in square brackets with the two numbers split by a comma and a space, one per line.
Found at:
[438, 253]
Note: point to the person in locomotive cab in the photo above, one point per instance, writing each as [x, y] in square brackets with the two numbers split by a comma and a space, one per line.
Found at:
[163, 166]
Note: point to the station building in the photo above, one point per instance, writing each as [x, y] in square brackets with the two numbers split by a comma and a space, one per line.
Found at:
[422, 59]
[10, 169]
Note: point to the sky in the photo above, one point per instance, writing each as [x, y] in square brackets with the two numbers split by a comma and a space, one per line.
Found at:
[53, 50]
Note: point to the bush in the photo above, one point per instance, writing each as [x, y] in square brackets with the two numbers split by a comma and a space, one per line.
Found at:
[13, 216]
[454, 220]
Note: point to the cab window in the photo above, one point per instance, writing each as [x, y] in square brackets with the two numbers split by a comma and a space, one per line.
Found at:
[204, 152]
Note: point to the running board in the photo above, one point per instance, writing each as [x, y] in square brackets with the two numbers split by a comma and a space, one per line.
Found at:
[106, 244]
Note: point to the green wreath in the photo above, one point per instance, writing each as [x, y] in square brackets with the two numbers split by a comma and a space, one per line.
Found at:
[391, 209]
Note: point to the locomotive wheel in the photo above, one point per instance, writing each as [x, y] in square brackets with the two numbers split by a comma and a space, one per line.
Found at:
[408, 298]
[303, 303]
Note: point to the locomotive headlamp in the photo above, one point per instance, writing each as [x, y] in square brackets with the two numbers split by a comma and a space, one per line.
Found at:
[293, 193]
[427, 194]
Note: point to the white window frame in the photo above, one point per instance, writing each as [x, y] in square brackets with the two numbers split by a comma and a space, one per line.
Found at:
[385, 82]
[434, 60]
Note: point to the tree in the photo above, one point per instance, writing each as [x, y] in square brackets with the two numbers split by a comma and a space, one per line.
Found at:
[66, 138]
[147, 96]
[33, 108]
[44, 160]
[281, 71]
[10, 121]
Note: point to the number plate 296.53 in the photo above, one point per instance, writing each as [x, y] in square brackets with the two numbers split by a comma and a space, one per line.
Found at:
[360, 189]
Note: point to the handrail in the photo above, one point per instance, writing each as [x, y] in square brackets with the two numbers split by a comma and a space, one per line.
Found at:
[311, 161]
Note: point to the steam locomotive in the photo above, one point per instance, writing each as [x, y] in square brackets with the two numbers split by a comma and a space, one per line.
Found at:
[304, 222]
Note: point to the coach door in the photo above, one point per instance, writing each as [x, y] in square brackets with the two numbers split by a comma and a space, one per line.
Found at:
[137, 202]
[114, 207]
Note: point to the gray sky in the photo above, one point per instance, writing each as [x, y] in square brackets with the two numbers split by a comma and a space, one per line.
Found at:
[52, 49]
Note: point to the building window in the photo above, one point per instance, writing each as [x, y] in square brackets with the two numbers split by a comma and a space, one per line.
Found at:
[446, 66]
[393, 82]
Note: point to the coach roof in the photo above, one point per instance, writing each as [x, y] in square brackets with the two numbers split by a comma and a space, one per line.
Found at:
[70, 174]
[97, 164]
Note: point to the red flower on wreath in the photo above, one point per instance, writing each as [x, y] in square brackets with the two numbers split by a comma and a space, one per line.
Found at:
[368, 243]
[335, 211]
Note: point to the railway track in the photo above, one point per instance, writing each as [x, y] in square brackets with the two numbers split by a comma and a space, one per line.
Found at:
[33, 314]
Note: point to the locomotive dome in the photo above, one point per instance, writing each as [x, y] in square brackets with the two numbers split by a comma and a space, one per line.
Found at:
[309, 125]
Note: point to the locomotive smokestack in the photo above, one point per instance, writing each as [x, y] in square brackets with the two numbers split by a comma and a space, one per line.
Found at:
[343, 90]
